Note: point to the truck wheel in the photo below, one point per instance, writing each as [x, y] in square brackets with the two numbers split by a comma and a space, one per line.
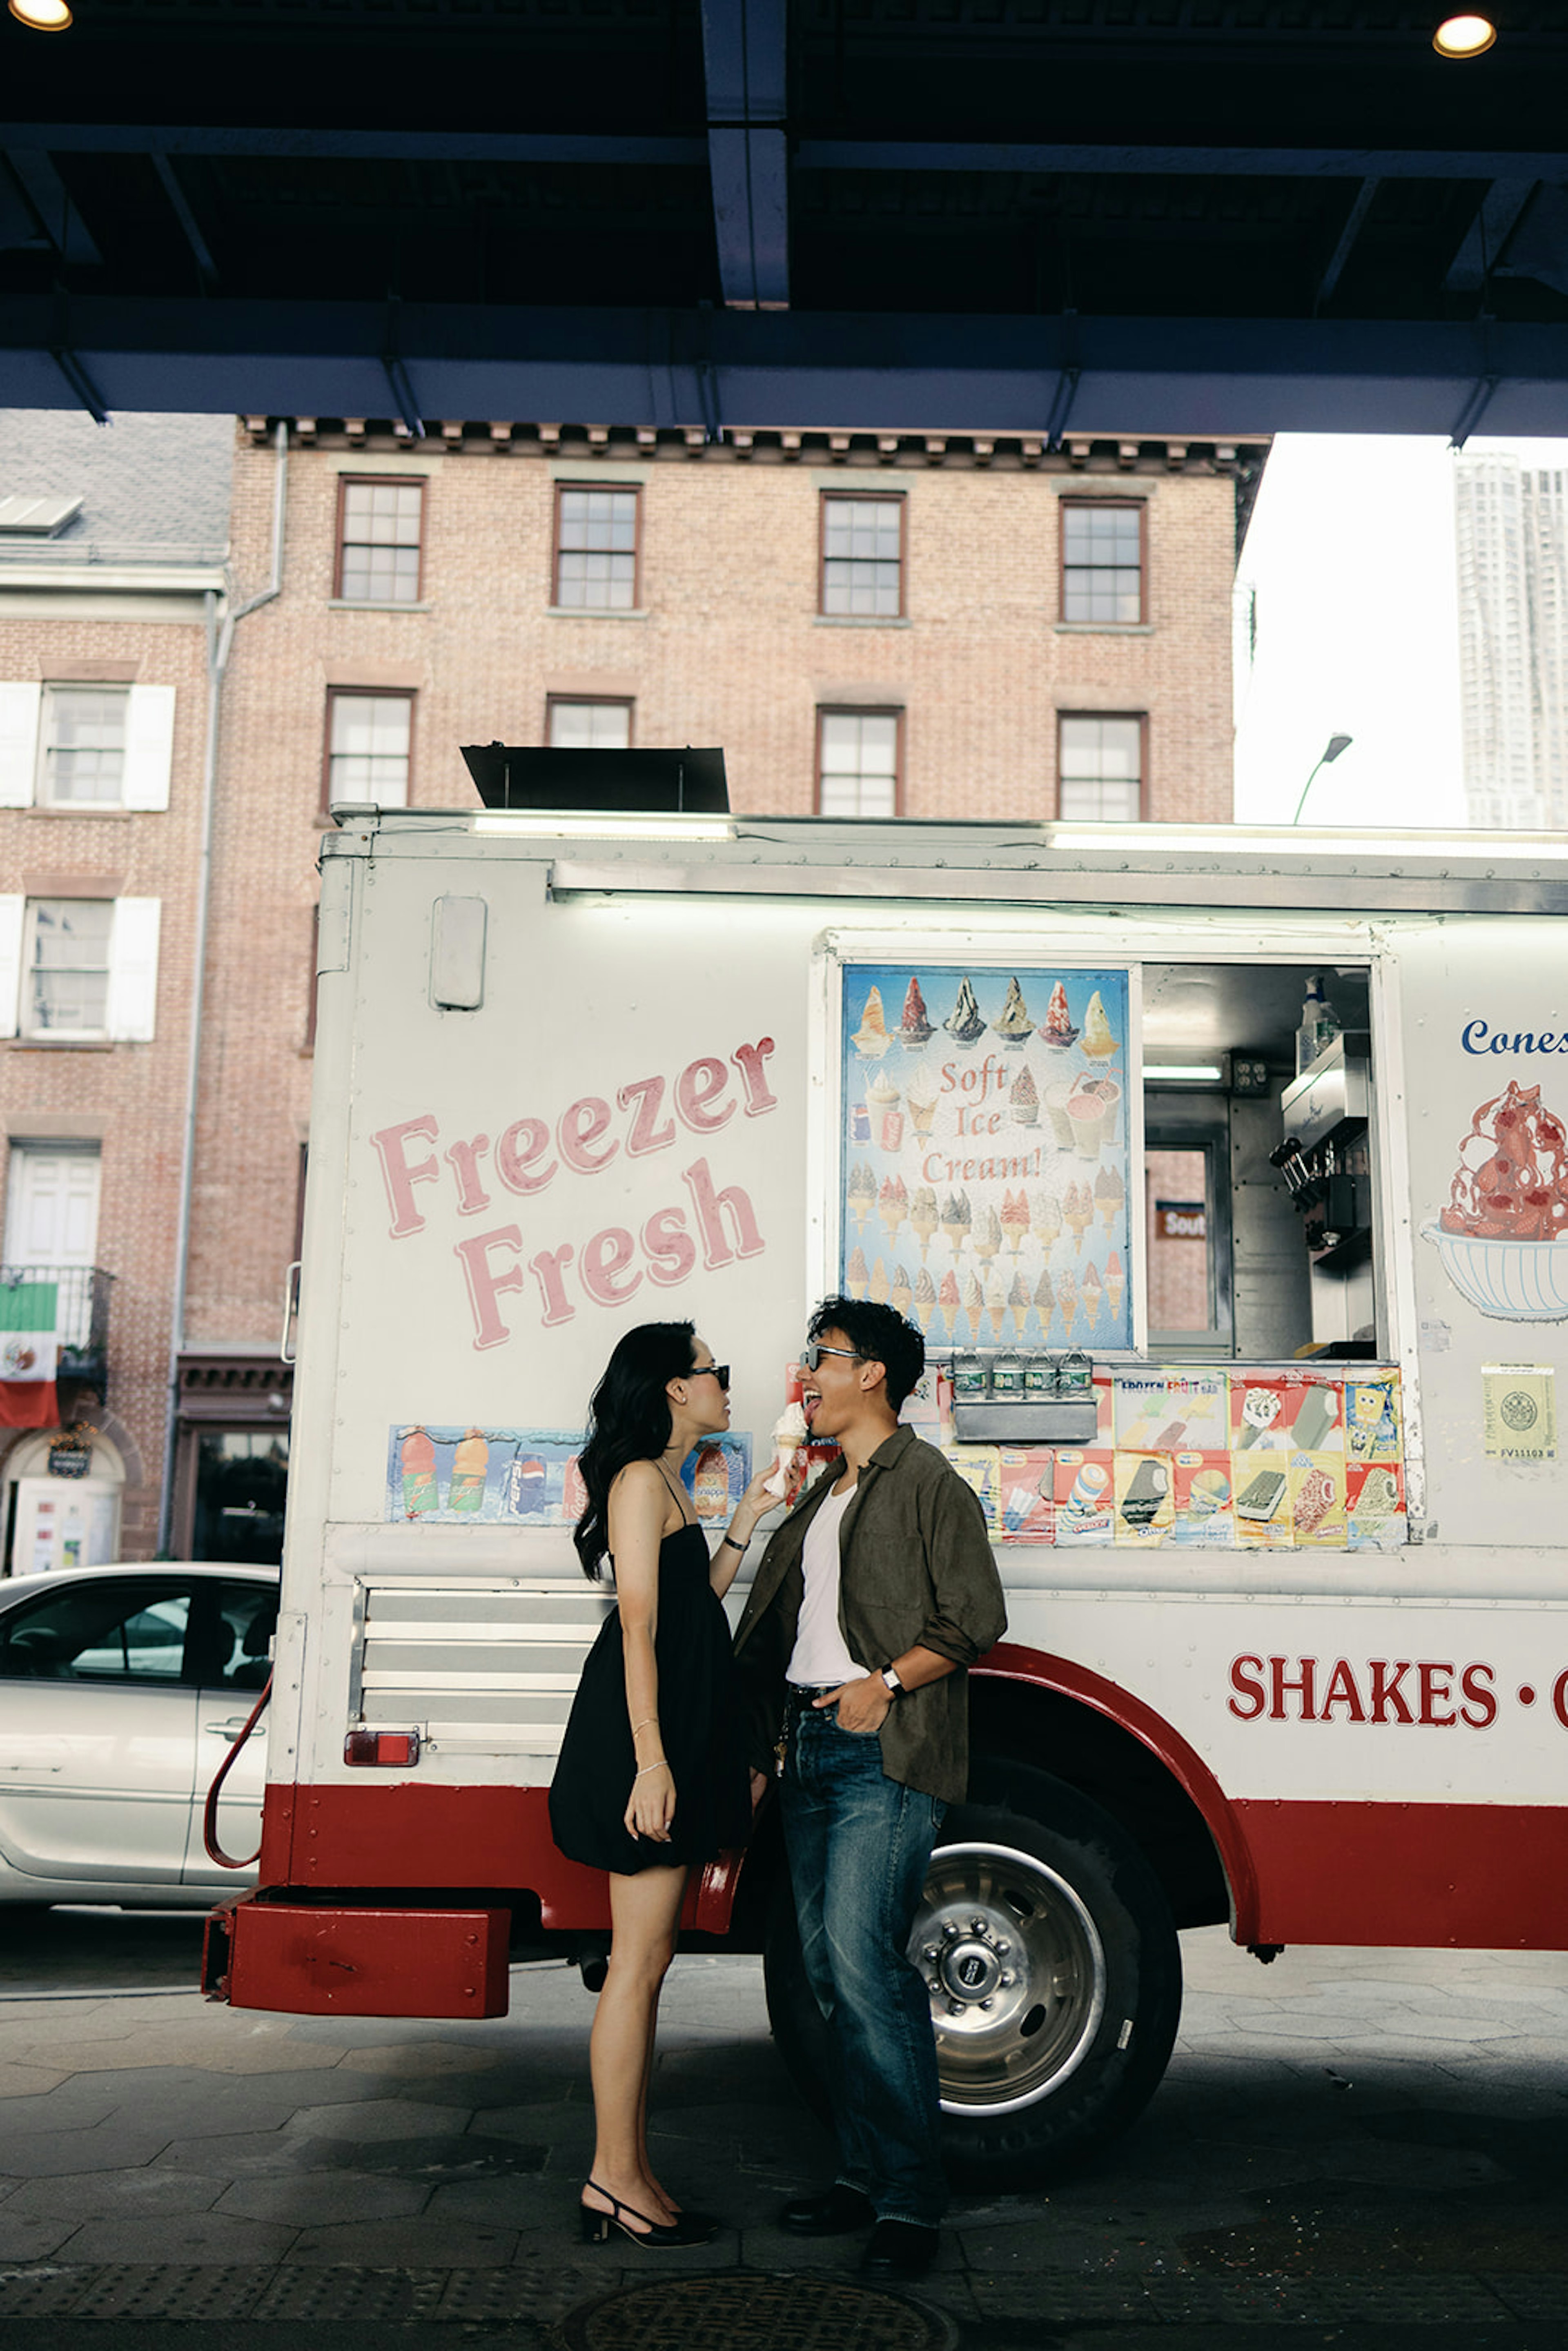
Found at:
[1055, 1975]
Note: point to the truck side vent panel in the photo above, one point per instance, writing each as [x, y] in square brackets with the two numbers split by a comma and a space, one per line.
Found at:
[490, 1668]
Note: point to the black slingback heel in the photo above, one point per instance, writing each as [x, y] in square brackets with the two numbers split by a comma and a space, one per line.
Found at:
[691, 2229]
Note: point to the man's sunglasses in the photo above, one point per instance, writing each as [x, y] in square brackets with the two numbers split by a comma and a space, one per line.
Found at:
[812, 1355]
[720, 1371]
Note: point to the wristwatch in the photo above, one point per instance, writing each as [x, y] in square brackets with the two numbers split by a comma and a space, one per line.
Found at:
[890, 1682]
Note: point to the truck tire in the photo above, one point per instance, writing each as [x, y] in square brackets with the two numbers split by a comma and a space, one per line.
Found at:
[1056, 1973]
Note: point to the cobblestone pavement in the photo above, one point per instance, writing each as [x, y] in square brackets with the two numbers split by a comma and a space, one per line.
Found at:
[1361, 2148]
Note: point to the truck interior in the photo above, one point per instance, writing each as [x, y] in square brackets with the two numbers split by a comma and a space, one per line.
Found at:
[1258, 1181]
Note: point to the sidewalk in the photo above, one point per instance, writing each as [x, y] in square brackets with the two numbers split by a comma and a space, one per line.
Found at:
[1346, 2136]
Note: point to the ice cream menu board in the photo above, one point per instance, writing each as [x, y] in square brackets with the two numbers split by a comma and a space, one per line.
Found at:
[984, 1166]
[1281, 1457]
[452, 1476]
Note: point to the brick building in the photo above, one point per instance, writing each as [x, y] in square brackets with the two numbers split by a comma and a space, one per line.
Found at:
[112, 552]
[931, 627]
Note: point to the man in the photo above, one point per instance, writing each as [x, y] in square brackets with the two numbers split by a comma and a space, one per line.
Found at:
[872, 1600]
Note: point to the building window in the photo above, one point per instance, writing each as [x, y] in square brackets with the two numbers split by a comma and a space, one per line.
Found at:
[369, 746]
[84, 735]
[379, 525]
[862, 559]
[578, 724]
[858, 762]
[65, 965]
[1100, 765]
[1103, 563]
[596, 550]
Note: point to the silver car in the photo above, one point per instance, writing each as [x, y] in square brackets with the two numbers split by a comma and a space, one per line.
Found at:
[122, 1690]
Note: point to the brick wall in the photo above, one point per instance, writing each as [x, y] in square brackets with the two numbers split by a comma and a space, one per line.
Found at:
[129, 1097]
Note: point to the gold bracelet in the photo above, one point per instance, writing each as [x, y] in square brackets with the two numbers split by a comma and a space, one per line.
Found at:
[647, 1718]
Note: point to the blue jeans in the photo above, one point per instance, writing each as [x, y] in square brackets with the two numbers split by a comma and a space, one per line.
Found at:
[859, 1847]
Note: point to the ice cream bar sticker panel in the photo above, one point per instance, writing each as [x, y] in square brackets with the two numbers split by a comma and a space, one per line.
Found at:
[985, 1174]
[447, 1475]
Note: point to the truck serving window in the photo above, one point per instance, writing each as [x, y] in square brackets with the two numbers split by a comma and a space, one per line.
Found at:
[1258, 1156]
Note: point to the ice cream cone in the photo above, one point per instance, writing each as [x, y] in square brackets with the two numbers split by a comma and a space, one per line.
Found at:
[1096, 1041]
[857, 1273]
[1020, 1316]
[900, 1294]
[965, 1022]
[1078, 1208]
[1093, 1296]
[925, 1300]
[1015, 1219]
[871, 1037]
[860, 1193]
[879, 1283]
[988, 1236]
[892, 1206]
[975, 1314]
[1013, 1024]
[1057, 1028]
[1047, 1225]
[1067, 1300]
[1115, 1283]
[975, 1306]
[923, 1219]
[915, 1030]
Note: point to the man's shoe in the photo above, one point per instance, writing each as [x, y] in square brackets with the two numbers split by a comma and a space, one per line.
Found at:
[831, 2215]
[899, 2249]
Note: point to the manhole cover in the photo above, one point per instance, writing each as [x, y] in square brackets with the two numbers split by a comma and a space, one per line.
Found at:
[771, 2314]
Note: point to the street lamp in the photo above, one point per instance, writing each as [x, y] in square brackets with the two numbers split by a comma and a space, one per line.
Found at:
[1336, 743]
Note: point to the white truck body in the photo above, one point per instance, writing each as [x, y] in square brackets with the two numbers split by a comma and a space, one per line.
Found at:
[571, 1076]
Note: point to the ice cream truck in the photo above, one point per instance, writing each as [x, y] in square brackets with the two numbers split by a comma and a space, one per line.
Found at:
[1226, 1174]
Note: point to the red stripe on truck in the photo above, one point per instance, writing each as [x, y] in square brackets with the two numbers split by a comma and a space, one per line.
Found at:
[401, 1833]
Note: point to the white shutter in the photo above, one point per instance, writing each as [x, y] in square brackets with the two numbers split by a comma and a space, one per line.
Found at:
[148, 746]
[12, 912]
[19, 706]
[133, 969]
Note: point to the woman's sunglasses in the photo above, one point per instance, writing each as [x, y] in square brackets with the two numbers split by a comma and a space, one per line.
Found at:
[720, 1371]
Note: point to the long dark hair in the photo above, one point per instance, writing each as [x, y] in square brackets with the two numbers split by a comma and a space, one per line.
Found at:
[628, 1420]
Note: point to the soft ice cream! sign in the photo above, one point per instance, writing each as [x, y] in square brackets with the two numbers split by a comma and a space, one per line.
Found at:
[984, 1142]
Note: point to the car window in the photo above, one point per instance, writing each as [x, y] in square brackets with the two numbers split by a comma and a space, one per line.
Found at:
[232, 1626]
[97, 1632]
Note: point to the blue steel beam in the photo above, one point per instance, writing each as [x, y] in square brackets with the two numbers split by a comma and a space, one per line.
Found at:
[1202, 378]
[743, 61]
[810, 154]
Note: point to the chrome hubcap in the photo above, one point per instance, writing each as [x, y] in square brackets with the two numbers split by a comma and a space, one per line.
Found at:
[1016, 1972]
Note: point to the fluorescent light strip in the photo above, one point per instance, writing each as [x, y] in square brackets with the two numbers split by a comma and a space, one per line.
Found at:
[1149, 839]
[1192, 1072]
[565, 827]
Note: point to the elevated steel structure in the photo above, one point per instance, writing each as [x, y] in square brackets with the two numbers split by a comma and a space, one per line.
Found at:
[1191, 216]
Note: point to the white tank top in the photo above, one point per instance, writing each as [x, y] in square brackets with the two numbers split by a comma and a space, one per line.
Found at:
[819, 1656]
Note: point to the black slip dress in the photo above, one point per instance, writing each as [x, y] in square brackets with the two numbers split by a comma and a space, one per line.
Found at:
[699, 1718]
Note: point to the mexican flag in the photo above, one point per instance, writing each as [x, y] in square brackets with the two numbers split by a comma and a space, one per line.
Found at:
[29, 1354]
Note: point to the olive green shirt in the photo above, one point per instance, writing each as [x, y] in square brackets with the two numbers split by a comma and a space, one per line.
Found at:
[915, 1570]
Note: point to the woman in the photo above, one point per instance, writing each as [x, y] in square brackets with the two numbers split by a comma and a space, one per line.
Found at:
[652, 1776]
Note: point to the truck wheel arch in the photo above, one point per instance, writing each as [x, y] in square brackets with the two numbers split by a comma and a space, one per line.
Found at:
[1031, 1707]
